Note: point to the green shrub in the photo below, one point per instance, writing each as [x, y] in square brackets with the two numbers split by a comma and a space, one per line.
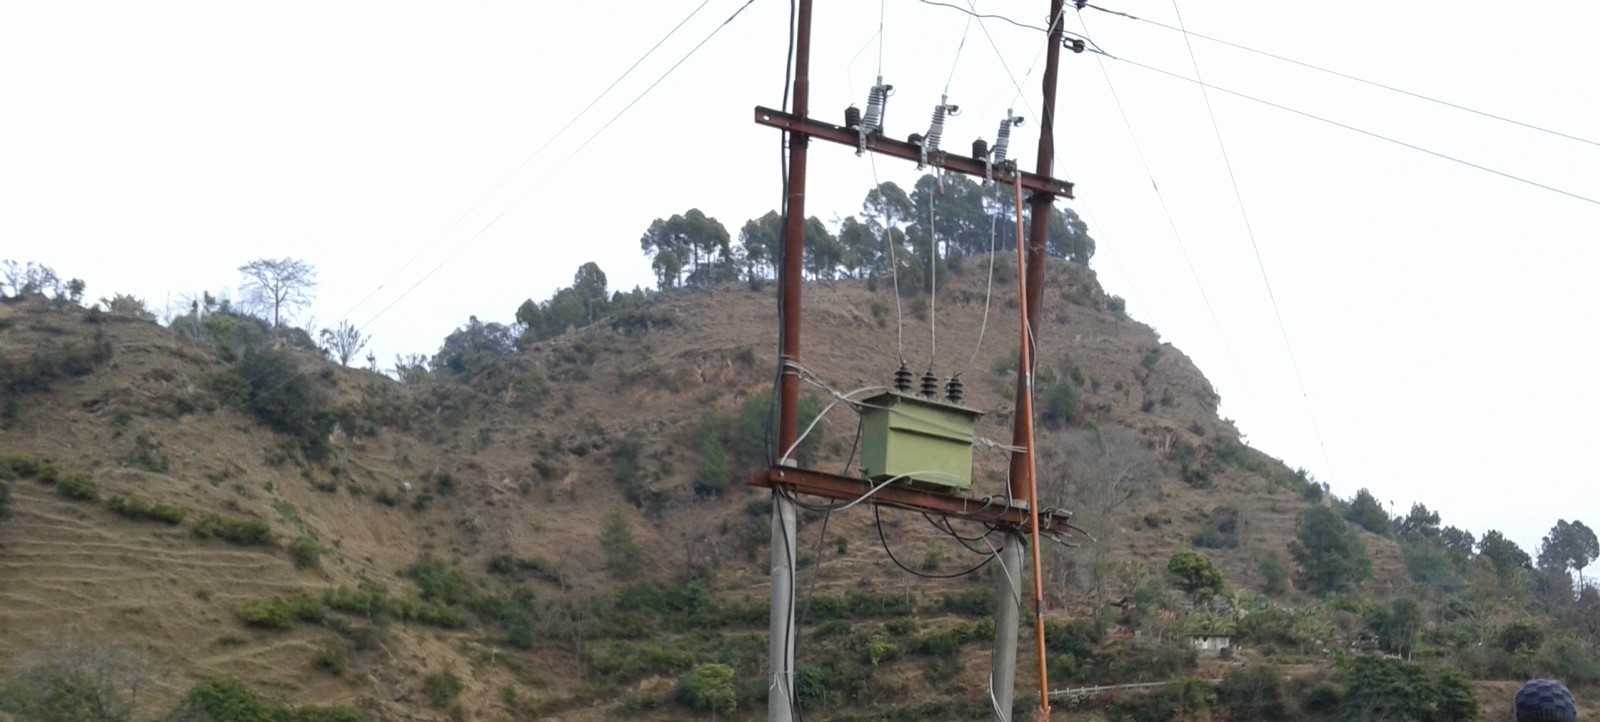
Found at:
[709, 687]
[332, 658]
[287, 399]
[244, 532]
[306, 553]
[229, 700]
[537, 567]
[267, 613]
[442, 688]
[972, 602]
[62, 693]
[1274, 575]
[367, 599]
[133, 507]
[78, 486]
[20, 467]
[281, 612]
[621, 550]
[146, 455]
[1382, 688]
[752, 441]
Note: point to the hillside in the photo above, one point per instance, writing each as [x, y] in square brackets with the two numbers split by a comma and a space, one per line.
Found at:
[562, 531]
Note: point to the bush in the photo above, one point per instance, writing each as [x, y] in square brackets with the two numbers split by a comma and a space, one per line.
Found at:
[752, 441]
[709, 687]
[332, 658]
[146, 455]
[219, 699]
[442, 688]
[62, 693]
[1274, 575]
[537, 567]
[267, 613]
[1382, 688]
[1254, 694]
[286, 399]
[78, 486]
[281, 612]
[138, 509]
[621, 551]
[244, 532]
[20, 467]
[1222, 529]
[306, 553]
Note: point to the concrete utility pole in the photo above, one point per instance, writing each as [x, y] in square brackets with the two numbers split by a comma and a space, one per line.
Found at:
[1009, 592]
[781, 631]
[1021, 509]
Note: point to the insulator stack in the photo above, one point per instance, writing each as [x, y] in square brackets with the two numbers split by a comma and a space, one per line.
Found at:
[953, 390]
[930, 385]
[930, 142]
[902, 380]
[852, 117]
[1002, 139]
[877, 98]
[980, 149]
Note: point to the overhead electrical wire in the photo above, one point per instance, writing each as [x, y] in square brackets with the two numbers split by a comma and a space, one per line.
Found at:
[1250, 232]
[1002, 58]
[973, 13]
[1313, 116]
[1161, 199]
[536, 153]
[878, 519]
[1346, 76]
[988, 291]
[596, 134]
[894, 272]
[1362, 131]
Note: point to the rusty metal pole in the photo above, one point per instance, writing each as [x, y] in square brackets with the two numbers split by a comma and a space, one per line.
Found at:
[1022, 483]
[781, 631]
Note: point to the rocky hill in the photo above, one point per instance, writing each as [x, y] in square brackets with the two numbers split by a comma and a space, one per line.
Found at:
[562, 531]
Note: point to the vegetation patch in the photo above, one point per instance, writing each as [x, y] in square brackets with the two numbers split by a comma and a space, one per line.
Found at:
[244, 532]
[133, 507]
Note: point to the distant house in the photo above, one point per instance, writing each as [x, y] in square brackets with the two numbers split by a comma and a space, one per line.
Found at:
[1209, 644]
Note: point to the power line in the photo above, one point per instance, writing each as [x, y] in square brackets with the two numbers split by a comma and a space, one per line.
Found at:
[536, 152]
[971, 13]
[1346, 76]
[1250, 232]
[999, 56]
[562, 164]
[1313, 116]
[1161, 198]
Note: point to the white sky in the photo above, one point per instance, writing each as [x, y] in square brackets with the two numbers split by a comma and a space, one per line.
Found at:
[1441, 316]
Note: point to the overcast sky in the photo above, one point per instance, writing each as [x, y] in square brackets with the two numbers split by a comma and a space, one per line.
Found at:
[1441, 317]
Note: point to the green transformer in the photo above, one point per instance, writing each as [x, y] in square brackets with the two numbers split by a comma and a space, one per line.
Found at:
[927, 441]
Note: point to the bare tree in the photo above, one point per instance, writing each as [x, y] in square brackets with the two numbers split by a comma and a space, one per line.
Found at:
[33, 279]
[1094, 473]
[80, 680]
[280, 286]
[343, 342]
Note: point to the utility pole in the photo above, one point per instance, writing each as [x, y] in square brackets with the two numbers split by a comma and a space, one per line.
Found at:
[1021, 510]
[1008, 598]
[781, 631]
